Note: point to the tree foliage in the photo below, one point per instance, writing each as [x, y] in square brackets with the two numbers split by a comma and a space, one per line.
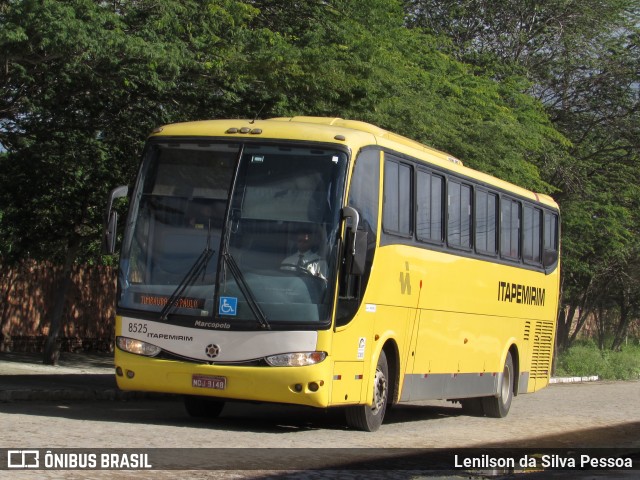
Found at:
[84, 81]
[506, 87]
[583, 62]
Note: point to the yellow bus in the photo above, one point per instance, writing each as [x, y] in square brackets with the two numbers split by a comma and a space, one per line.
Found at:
[330, 263]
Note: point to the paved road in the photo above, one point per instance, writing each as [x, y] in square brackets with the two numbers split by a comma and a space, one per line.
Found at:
[600, 414]
[575, 415]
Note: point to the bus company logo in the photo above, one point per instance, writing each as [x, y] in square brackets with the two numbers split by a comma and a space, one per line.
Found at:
[405, 280]
[212, 350]
[23, 459]
[524, 294]
[200, 323]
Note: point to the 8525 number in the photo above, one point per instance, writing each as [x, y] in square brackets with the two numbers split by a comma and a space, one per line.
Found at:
[137, 328]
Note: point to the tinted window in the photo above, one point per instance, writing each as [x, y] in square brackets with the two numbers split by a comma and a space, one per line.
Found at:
[509, 228]
[429, 207]
[396, 217]
[364, 190]
[363, 196]
[459, 214]
[390, 212]
[486, 222]
[404, 198]
[532, 234]
[550, 255]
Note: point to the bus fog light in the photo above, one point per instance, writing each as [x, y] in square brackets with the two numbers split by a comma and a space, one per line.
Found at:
[119, 371]
[130, 374]
[313, 387]
[298, 359]
[137, 346]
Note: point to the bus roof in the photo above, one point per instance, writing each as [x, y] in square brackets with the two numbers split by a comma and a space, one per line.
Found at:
[355, 133]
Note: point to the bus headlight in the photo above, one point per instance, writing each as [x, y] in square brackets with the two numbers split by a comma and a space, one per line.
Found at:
[137, 346]
[298, 359]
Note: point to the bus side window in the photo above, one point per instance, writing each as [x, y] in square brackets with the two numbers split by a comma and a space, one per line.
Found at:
[459, 214]
[509, 228]
[397, 209]
[364, 197]
[531, 235]
[429, 190]
[550, 243]
[486, 221]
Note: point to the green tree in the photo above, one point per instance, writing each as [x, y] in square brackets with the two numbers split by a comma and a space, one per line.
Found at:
[82, 83]
[583, 61]
[359, 59]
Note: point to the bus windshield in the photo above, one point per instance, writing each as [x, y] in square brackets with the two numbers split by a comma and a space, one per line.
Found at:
[244, 234]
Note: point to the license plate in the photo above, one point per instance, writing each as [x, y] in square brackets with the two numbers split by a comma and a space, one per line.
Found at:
[208, 381]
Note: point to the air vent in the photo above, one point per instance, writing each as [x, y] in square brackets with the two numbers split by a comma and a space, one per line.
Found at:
[542, 350]
[527, 331]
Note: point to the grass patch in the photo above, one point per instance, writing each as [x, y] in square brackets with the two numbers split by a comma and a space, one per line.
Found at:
[587, 359]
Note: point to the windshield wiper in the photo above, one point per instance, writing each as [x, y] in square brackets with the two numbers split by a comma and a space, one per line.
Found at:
[199, 266]
[227, 259]
[245, 289]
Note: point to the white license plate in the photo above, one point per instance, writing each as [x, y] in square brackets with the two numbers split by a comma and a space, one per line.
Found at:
[208, 381]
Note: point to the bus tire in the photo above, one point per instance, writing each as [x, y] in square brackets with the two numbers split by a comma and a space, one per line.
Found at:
[472, 406]
[369, 417]
[203, 407]
[498, 406]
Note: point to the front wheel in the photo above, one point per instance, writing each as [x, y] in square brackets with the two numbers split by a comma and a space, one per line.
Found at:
[203, 407]
[370, 417]
[498, 407]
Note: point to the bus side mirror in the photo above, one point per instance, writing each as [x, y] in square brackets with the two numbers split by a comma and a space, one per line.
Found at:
[111, 220]
[356, 261]
[356, 245]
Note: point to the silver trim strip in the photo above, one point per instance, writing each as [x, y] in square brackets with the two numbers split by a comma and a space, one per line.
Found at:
[449, 385]
[232, 346]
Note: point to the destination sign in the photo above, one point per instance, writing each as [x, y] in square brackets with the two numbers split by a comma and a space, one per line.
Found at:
[161, 301]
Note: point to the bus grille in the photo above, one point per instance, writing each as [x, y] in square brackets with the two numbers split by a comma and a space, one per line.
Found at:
[527, 331]
[542, 348]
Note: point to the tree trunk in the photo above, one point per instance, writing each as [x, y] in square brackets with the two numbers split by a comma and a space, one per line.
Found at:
[600, 317]
[565, 318]
[52, 347]
[582, 320]
[623, 324]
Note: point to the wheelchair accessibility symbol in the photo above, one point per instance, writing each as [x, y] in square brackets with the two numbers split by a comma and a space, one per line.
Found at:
[228, 306]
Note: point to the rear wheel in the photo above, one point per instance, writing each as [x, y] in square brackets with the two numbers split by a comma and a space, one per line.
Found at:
[472, 406]
[498, 407]
[370, 417]
[203, 407]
